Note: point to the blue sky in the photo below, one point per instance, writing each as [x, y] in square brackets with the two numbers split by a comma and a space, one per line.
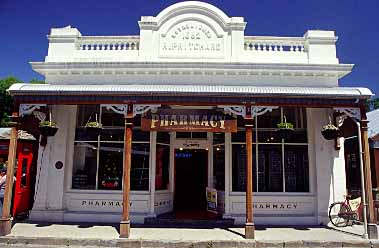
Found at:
[24, 25]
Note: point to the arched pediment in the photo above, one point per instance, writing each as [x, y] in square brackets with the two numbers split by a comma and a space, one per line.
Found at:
[191, 30]
[193, 8]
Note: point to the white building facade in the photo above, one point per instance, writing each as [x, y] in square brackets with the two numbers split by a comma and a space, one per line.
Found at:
[190, 58]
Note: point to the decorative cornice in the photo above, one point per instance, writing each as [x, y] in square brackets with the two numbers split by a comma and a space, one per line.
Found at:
[264, 69]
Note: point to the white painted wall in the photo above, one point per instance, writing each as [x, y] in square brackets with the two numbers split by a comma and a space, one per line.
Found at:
[330, 165]
[190, 28]
[50, 181]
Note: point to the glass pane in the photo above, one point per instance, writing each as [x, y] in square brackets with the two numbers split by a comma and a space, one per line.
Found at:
[269, 119]
[110, 166]
[270, 174]
[163, 137]
[162, 167]
[81, 134]
[218, 138]
[183, 135]
[239, 168]
[219, 167]
[84, 166]
[84, 114]
[87, 113]
[111, 119]
[296, 168]
[199, 135]
[239, 136]
[112, 134]
[299, 136]
[268, 137]
[139, 135]
[24, 165]
[139, 174]
[296, 116]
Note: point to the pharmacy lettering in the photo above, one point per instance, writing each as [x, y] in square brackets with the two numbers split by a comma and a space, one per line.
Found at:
[104, 203]
[188, 121]
[268, 205]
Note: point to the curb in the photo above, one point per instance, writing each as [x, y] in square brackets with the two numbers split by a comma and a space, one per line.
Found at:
[132, 243]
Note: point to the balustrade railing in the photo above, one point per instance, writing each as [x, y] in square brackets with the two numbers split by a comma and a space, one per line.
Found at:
[279, 44]
[107, 43]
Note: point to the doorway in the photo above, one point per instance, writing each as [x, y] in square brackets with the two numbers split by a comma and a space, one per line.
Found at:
[191, 167]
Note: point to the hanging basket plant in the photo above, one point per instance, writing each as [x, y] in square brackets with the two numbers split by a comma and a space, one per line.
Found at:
[330, 131]
[285, 130]
[48, 128]
[93, 128]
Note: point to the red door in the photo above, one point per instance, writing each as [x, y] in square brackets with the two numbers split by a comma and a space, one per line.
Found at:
[22, 186]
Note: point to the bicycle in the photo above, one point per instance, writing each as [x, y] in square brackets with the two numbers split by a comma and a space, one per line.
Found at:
[348, 212]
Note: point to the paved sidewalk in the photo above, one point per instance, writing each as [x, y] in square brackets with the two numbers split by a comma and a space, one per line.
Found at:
[90, 235]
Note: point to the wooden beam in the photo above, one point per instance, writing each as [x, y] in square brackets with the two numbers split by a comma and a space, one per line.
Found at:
[249, 225]
[6, 218]
[125, 220]
[367, 170]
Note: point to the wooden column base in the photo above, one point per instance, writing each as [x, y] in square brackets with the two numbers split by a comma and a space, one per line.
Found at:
[249, 231]
[5, 226]
[125, 229]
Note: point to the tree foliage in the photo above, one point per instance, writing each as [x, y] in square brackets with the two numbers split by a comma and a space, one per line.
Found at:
[372, 104]
[6, 100]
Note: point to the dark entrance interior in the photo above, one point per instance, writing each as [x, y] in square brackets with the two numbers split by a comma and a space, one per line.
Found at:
[190, 183]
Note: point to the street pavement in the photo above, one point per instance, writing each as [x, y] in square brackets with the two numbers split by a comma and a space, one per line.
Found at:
[92, 235]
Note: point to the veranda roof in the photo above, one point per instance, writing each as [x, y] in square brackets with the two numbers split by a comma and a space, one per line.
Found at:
[170, 92]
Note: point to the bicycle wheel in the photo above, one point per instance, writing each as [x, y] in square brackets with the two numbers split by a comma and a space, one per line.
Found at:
[339, 214]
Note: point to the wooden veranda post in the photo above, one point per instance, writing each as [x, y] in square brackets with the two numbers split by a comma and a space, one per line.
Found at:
[125, 221]
[6, 219]
[249, 226]
[367, 169]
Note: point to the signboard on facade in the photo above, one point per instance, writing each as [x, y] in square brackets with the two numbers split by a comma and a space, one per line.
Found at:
[211, 200]
[191, 39]
[188, 121]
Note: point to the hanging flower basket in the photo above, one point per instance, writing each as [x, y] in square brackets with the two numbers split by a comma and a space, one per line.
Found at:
[330, 131]
[93, 128]
[285, 130]
[48, 128]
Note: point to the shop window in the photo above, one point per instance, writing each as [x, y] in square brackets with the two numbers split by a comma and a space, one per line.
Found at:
[139, 173]
[191, 135]
[162, 173]
[110, 166]
[84, 166]
[239, 168]
[282, 164]
[296, 168]
[162, 167]
[98, 160]
[270, 171]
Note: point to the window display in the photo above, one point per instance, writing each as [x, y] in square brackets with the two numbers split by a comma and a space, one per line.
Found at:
[282, 164]
[98, 160]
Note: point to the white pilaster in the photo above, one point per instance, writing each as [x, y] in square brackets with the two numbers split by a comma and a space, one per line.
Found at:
[153, 145]
[228, 169]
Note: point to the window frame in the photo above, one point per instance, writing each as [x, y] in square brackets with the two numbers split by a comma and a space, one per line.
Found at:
[98, 144]
[256, 143]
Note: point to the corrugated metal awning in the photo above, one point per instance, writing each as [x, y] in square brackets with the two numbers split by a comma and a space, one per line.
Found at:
[191, 90]
[189, 94]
